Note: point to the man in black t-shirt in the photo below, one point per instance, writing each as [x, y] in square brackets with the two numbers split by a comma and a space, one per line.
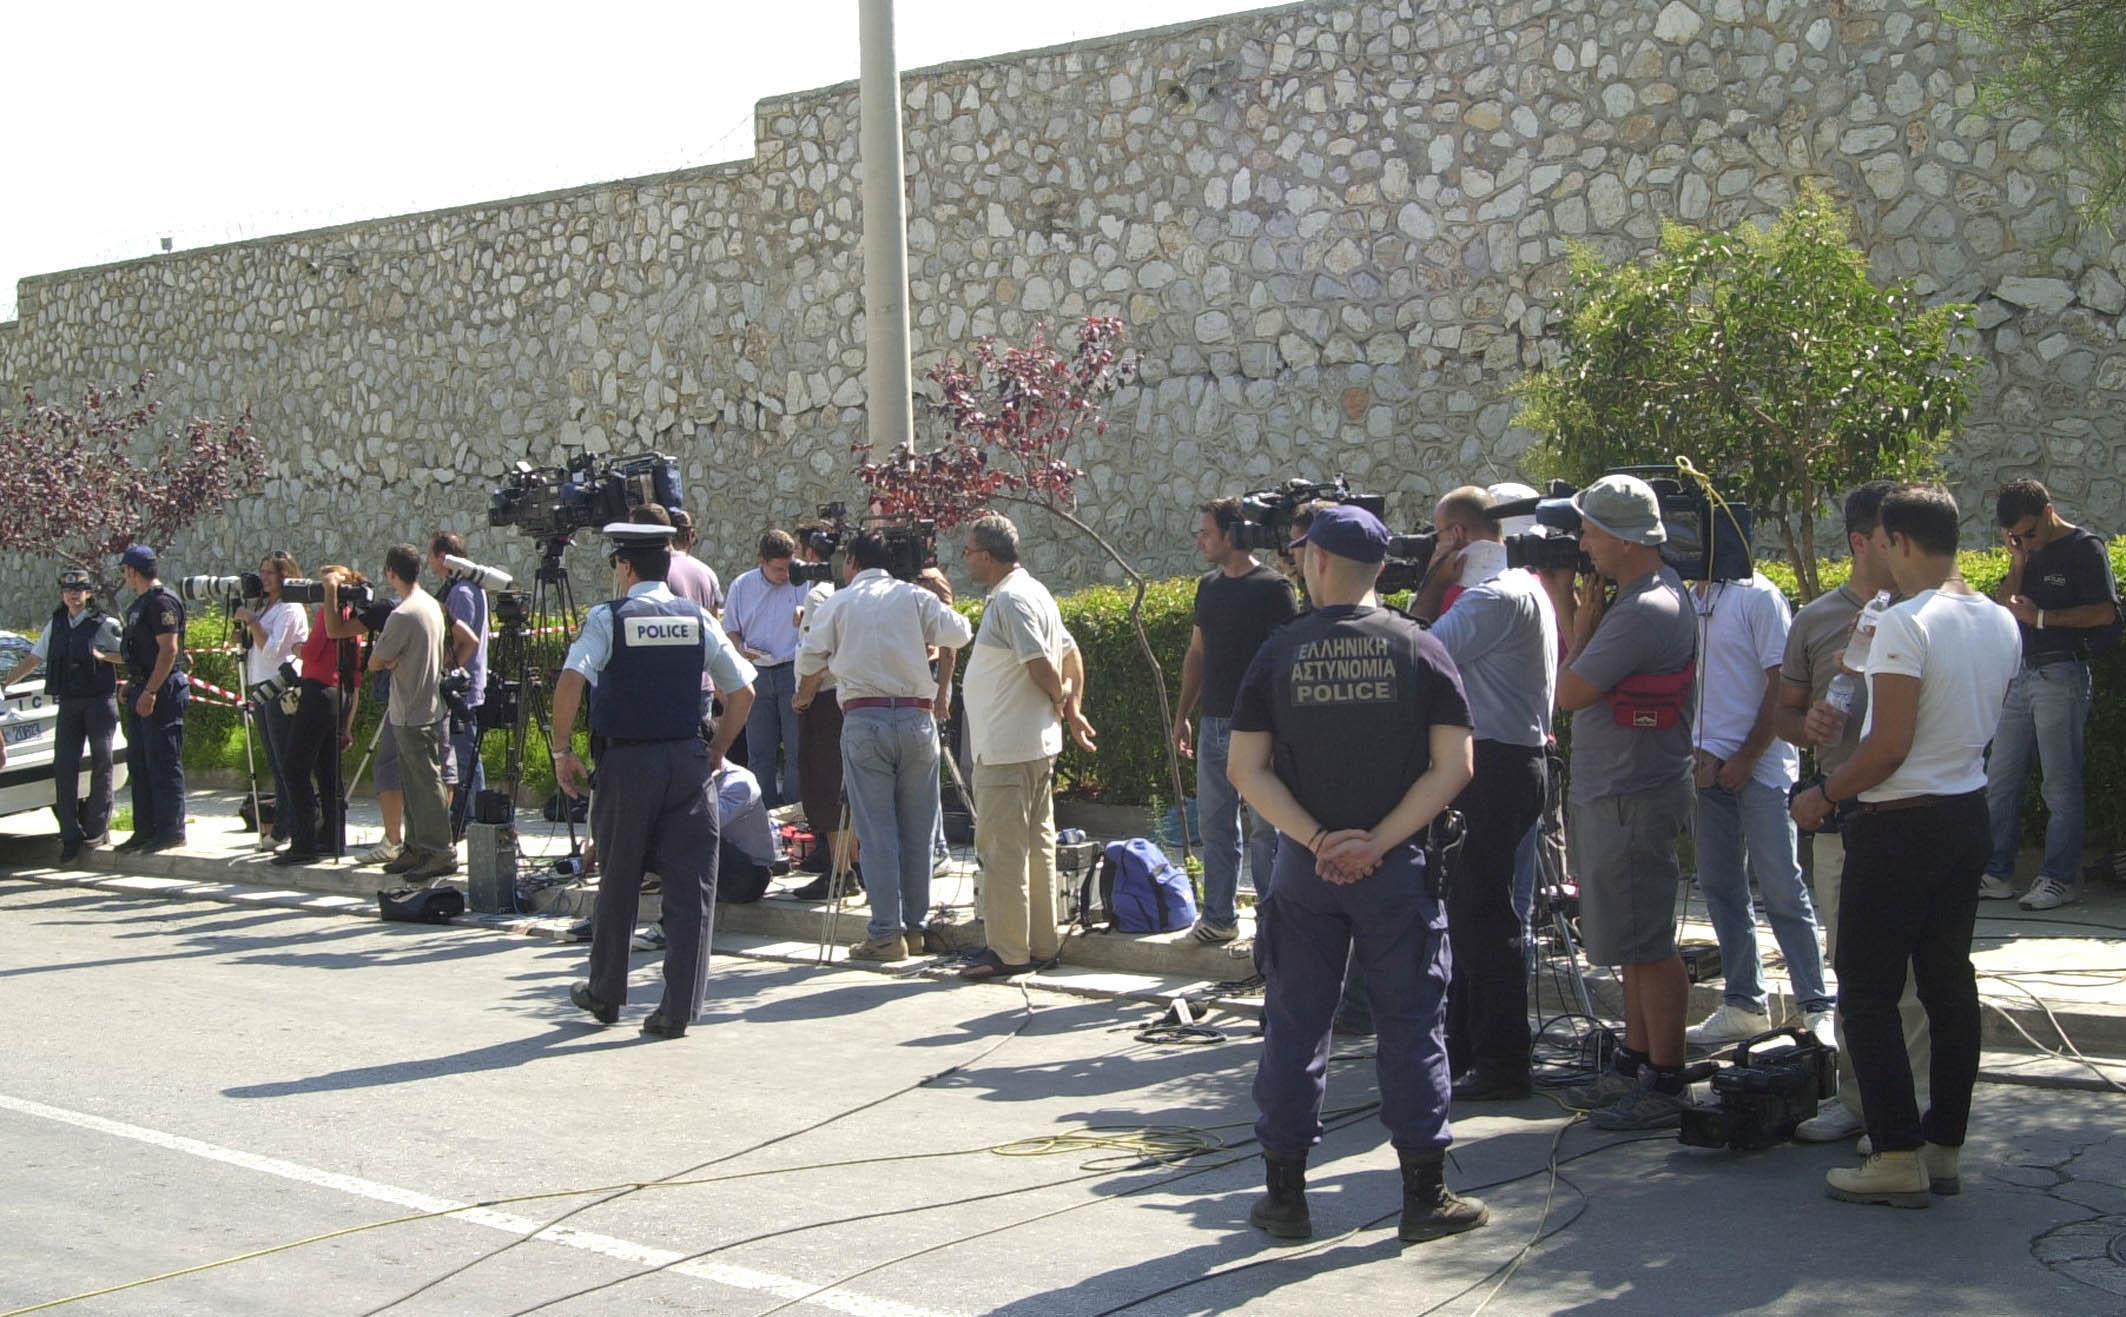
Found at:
[1350, 735]
[1238, 603]
[2060, 588]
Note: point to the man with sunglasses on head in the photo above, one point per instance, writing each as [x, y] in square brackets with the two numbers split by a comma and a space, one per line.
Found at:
[2060, 587]
[79, 650]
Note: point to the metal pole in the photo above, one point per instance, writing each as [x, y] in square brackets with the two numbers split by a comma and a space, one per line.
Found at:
[889, 380]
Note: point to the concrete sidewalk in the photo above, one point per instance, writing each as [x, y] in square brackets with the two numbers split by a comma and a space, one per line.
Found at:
[2055, 980]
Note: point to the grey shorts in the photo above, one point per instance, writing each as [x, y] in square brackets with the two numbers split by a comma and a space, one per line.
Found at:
[386, 767]
[1624, 855]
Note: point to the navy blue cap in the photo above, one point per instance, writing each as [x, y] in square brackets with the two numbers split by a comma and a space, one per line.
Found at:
[1348, 531]
[139, 557]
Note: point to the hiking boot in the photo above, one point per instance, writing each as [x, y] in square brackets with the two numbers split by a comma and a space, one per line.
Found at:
[1729, 1024]
[1944, 1174]
[2048, 894]
[405, 861]
[1606, 1088]
[890, 947]
[1993, 887]
[438, 864]
[1430, 1208]
[1644, 1108]
[1833, 1121]
[1894, 1179]
[1213, 935]
[1283, 1210]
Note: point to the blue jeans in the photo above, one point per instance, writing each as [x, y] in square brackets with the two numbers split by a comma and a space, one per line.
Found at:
[1744, 835]
[1222, 816]
[2047, 711]
[773, 723]
[890, 775]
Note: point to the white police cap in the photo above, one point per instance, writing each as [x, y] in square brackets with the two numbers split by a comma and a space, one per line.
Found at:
[637, 535]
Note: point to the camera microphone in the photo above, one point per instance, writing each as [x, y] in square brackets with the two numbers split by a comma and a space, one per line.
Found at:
[491, 579]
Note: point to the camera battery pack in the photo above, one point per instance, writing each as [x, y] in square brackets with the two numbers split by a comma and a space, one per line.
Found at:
[1701, 961]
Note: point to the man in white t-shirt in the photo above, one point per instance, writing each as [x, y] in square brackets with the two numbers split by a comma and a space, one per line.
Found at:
[1937, 673]
[1744, 773]
[1023, 683]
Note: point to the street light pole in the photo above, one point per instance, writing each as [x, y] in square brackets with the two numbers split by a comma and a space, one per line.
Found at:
[889, 379]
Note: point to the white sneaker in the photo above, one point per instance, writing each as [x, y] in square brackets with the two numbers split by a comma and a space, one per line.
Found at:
[2048, 894]
[1993, 888]
[1833, 1121]
[1729, 1024]
[384, 852]
[1822, 1025]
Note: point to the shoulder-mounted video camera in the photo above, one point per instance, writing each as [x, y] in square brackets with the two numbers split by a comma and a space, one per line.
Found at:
[1706, 541]
[554, 502]
[1269, 517]
[1776, 1082]
[911, 544]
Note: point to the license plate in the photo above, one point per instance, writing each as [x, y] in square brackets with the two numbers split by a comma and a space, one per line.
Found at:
[17, 733]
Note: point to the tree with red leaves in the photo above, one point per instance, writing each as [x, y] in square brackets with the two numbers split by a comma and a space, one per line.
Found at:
[1010, 416]
[80, 485]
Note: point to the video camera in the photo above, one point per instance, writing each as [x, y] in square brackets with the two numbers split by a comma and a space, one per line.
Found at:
[911, 544]
[554, 502]
[1705, 542]
[1267, 518]
[1765, 1093]
[219, 589]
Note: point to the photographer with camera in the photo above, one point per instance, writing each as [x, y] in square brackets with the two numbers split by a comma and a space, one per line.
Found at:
[1938, 669]
[1627, 683]
[274, 634]
[874, 635]
[154, 704]
[464, 602]
[760, 616]
[327, 697]
[1351, 736]
[411, 647]
[79, 651]
[1238, 603]
[1503, 637]
[642, 656]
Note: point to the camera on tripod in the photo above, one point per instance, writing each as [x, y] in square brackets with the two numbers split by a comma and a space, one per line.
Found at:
[1766, 1092]
[554, 502]
[1268, 517]
[911, 544]
[1706, 541]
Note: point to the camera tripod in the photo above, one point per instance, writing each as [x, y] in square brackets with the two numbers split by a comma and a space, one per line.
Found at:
[838, 870]
[530, 644]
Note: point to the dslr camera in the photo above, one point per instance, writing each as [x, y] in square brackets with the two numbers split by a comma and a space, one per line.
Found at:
[1775, 1083]
[232, 590]
[554, 502]
[491, 579]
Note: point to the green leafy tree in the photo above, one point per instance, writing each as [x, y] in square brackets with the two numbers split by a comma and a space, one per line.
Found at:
[2063, 61]
[1765, 357]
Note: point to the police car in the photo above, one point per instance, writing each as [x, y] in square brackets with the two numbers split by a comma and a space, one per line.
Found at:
[26, 725]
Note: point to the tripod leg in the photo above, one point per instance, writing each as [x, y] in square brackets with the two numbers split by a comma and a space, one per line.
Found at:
[837, 872]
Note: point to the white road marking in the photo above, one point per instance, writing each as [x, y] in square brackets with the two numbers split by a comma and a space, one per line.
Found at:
[623, 1250]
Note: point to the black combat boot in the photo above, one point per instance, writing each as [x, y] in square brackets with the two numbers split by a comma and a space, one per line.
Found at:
[1430, 1208]
[1283, 1210]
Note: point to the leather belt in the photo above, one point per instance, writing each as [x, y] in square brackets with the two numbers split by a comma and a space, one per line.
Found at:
[1915, 802]
[888, 702]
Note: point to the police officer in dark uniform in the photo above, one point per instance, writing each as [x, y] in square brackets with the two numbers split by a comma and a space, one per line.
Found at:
[1350, 735]
[643, 655]
[79, 650]
[155, 696]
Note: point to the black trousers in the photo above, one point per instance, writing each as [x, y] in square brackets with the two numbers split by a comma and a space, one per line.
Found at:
[1487, 997]
[83, 720]
[316, 804]
[1909, 897]
[655, 812]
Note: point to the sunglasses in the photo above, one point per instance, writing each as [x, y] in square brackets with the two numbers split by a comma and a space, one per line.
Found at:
[73, 589]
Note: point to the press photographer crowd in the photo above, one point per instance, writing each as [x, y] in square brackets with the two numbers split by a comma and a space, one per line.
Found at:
[1390, 781]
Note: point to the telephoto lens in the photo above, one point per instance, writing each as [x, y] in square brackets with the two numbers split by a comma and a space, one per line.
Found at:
[491, 579]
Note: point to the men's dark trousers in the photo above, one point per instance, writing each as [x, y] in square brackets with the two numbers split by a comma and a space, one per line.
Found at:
[1304, 934]
[655, 812]
[312, 772]
[155, 763]
[1909, 896]
[83, 720]
[1487, 1002]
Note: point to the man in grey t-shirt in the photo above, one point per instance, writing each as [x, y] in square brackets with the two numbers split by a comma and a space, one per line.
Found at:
[411, 648]
[1627, 680]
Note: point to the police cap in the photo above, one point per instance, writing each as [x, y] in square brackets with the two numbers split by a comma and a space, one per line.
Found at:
[632, 535]
[73, 578]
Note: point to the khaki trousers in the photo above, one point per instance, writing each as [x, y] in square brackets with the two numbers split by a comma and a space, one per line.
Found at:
[1829, 866]
[1015, 843]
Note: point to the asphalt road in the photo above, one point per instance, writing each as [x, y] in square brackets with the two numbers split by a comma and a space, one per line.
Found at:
[185, 1083]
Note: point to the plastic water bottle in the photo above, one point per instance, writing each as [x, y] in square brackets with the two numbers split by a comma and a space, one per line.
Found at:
[1844, 686]
[1855, 657]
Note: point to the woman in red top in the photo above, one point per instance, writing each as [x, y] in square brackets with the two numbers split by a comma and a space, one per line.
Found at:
[323, 728]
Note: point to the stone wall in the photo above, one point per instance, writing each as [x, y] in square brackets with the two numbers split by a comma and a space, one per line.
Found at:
[1332, 229]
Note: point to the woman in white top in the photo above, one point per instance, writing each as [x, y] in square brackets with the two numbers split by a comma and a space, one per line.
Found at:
[276, 629]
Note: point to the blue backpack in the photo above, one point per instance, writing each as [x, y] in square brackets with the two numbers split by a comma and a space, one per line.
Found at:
[1143, 891]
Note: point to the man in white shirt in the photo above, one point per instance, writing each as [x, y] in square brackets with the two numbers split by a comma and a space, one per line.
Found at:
[1937, 672]
[277, 629]
[1024, 680]
[874, 636]
[1744, 773]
